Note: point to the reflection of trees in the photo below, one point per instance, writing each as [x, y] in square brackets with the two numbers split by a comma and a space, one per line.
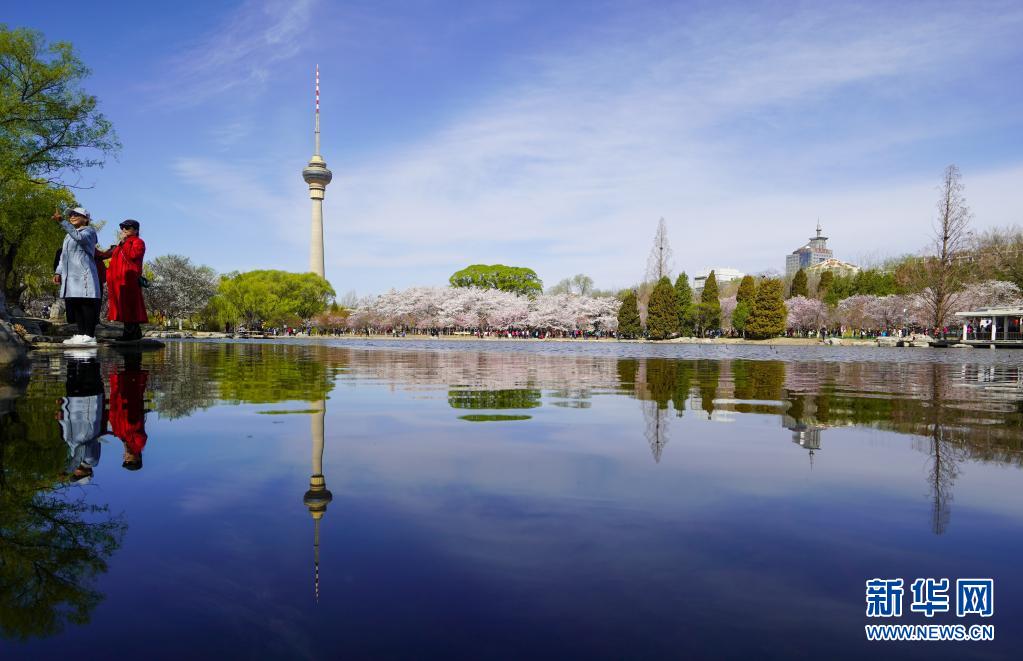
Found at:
[494, 399]
[658, 382]
[179, 382]
[52, 544]
[944, 457]
[656, 428]
[758, 379]
[708, 372]
[188, 376]
[275, 373]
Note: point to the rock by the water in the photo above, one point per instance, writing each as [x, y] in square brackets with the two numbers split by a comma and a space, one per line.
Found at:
[12, 347]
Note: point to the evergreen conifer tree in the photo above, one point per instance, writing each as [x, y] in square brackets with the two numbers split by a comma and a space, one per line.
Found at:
[767, 314]
[827, 279]
[684, 300]
[740, 316]
[662, 311]
[709, 310]
[628, 317]
[747, 290]
[799, 286]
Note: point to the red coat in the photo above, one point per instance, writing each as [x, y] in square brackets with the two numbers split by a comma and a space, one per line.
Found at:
[128, 408]
[123, 290]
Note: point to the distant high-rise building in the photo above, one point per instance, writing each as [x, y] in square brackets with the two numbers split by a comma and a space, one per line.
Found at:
[814, 252]
[722, 275]
[317, 176]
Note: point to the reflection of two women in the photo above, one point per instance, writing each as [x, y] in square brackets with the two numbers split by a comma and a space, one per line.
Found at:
[84, 418]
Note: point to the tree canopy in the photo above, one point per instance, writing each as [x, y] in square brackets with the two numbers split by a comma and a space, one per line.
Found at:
[767, 314]
[708, 312]
[662, 311]
[684, 301]
[825, 283]
[517, 279]
[799, 285]
[273, 297]
[579, 284]
[49, 126]
[628, 317]
[747, 290]
[28, 238]
[179, 288]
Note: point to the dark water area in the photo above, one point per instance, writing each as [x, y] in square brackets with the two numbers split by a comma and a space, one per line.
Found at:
[363, 499]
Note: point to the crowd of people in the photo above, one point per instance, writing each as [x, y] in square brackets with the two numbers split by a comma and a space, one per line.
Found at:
[81, 272]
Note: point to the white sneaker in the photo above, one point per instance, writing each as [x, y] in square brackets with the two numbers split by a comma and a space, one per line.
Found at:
[81, 339]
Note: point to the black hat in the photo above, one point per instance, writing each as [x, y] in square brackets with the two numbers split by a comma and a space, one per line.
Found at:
[130, 224]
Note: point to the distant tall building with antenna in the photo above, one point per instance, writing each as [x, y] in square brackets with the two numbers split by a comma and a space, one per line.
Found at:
[814, 252]
[317, 176]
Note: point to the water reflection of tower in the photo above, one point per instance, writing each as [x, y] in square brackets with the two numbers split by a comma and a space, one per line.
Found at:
[318, 496]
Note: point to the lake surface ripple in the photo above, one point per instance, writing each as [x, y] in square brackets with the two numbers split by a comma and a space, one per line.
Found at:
[430, 499]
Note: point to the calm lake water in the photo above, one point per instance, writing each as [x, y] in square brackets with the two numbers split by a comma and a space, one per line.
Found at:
[502, 499]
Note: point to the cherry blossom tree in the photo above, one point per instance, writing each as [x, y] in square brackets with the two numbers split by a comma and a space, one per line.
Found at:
[805, 314]
[727, 308]
[988, 294]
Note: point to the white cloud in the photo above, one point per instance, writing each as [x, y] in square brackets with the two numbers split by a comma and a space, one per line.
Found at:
[733, 126]
[240, 55]
[595, 144]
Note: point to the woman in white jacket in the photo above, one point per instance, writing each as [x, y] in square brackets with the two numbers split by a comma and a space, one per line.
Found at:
[76, 272]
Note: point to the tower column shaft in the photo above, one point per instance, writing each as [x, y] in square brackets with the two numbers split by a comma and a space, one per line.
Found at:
[316, 241]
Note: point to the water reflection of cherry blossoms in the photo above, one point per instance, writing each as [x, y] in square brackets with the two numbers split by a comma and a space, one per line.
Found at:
[955, 411]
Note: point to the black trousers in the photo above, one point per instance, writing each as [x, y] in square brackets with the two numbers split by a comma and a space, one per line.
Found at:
[84, 312]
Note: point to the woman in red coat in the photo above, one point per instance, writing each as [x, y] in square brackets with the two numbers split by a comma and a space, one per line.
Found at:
[123, 290]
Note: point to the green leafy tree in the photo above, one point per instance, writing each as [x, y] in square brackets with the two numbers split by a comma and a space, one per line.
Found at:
[628, 317]
[747, 290]
[767, 315]
[709, 311]
[999, 255]
[516, 279]
[799, 285]
[28, 238]
[662, 311]
[273, 297]
[684, 300]
[49, 126]
[580, 284]
[49, 129]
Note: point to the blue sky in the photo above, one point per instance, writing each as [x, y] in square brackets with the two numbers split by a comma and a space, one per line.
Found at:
[546, 134]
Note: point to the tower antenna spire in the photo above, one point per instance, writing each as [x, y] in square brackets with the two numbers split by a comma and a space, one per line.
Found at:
[317, 109]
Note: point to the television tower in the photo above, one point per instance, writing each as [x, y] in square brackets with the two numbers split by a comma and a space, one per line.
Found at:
[317, 176]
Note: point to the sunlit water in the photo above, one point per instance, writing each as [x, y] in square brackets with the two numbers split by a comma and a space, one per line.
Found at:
[501, 499]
